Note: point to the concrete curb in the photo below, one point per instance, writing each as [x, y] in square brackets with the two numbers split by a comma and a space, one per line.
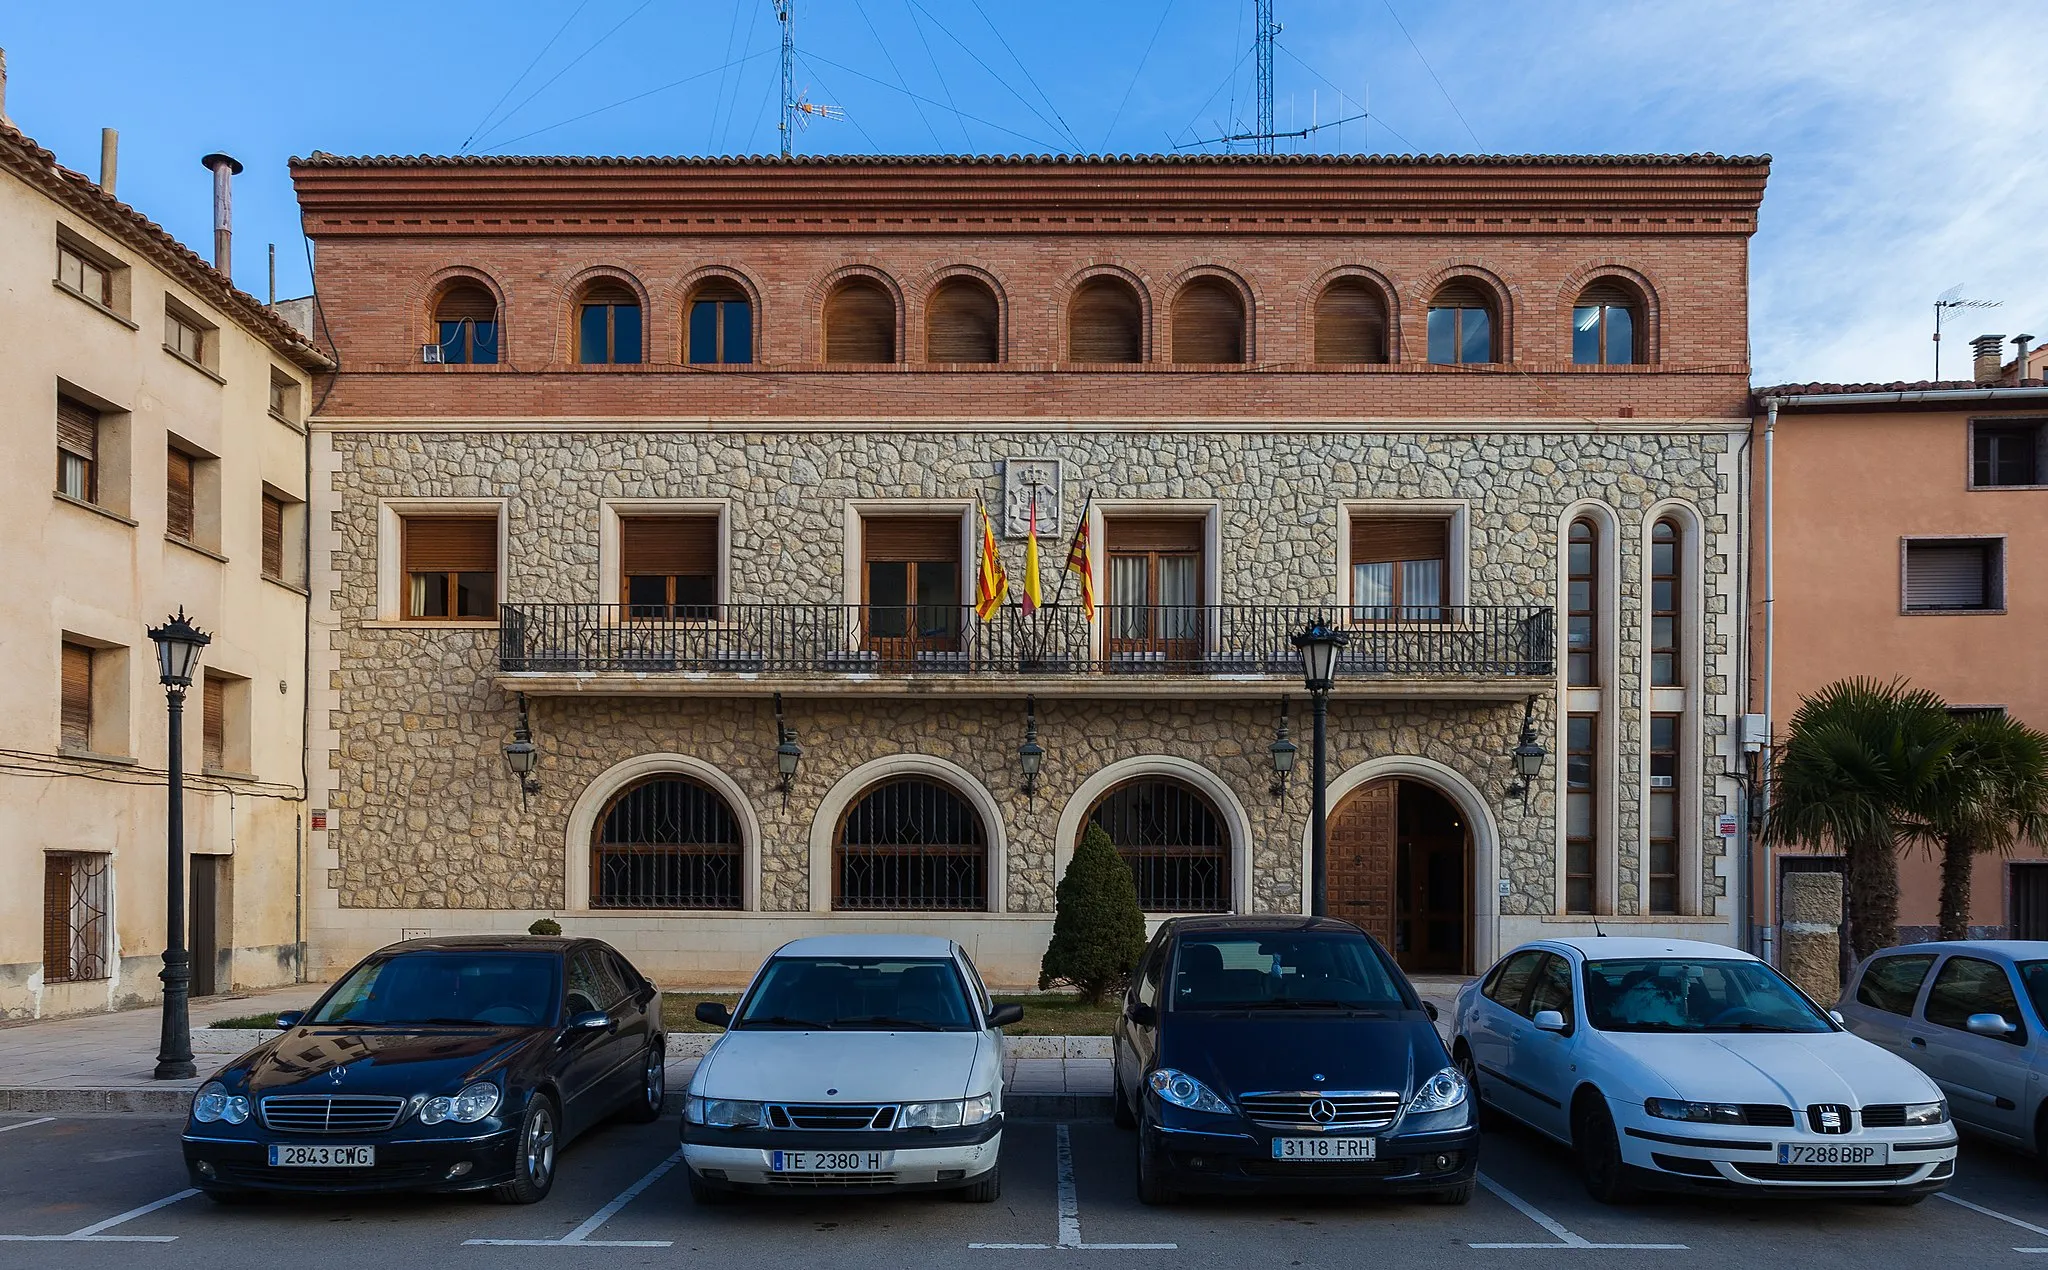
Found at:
[137, 1101]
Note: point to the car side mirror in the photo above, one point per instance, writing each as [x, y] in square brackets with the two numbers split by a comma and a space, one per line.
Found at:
[1429, 1008]
[1988, 1025]
[590, 1023]
[289, 1018]
[1143, 1015]
[1549, 1021]
[1836, 1015]
[1004, 1015]
[714, 1014]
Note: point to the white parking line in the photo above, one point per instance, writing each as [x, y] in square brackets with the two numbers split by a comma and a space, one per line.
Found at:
[24, 1124]
[1566, 1239]
[1992, 1212]
[91, 1234]
[1070, 1215]
[581, 1236]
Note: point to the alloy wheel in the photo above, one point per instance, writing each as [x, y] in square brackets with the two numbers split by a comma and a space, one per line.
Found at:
[540, 1147]
[657, 1078]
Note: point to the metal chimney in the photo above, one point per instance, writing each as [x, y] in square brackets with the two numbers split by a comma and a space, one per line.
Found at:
[225, 169]
[1987, 357]
[110, 146]
[2025, 345]
[3, 85]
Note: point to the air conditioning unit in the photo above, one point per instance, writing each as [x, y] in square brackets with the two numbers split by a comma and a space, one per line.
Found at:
[1661, 782]
[431, 354]
[1756, 732]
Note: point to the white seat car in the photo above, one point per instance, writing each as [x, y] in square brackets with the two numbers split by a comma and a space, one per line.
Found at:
[1675, 1065]
[852, 1063]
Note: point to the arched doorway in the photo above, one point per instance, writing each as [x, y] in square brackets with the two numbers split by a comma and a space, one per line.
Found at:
[1401, 867]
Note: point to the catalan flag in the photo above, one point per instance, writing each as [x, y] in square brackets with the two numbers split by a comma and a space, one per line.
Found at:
[1033, 598]
[1081, 562]
[991, 584]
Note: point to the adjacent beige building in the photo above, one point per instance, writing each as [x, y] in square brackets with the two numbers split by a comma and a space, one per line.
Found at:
[155, 457]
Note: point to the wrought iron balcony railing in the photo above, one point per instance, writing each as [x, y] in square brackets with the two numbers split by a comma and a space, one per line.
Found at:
[1446, 641]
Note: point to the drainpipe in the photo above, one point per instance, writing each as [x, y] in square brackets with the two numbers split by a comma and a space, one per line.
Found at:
[1769, 753]
[225, 169]
[1743, 871]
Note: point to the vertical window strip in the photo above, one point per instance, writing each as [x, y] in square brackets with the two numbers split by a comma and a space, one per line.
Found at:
[1664, 814]
[1582, 600]
[1581, 815]
[1665, 604]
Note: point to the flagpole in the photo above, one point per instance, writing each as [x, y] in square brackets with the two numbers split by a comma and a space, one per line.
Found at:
[1079, 525]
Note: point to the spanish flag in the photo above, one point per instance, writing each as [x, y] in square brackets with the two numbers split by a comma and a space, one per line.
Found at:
[1032, 597]
[1081, 562]
[991, 584]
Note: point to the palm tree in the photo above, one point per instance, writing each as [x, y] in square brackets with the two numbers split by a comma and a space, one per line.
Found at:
[1995, 795]
[1863, 763]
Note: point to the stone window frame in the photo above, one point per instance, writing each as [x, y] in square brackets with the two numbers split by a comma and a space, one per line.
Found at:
[1686, 701]
[391, 514]
[1601, 701]
[598, 794]
[1457, 549]
[1236, 820]
[851, 786]
[1103, 509]
[610, 542]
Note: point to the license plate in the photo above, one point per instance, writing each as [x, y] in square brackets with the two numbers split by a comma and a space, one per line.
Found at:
[828, 1161]
[1834, 1153]
[321, 1157]
[1345, 1148]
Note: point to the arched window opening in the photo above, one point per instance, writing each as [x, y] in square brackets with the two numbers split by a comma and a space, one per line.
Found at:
[667, 842]
[1208, 323]
[962, 323]
[1105, 323]
[1461, 325]
[1665, 541]
[608, 325]
[1351, 324]
[910, 844]
[1605, 330]
[466, 324]
[1173, 838]
[720, 325]
[860, 323]
[1582, 605]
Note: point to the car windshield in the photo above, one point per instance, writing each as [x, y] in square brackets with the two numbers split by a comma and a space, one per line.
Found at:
[859, 994]
[1287, 970]
[425, 988]
[2034, 977]
[1695, 995]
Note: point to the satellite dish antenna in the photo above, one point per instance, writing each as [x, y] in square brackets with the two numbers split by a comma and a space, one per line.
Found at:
[1953, 299]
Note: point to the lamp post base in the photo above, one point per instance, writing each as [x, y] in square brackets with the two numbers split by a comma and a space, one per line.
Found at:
[174, 1051]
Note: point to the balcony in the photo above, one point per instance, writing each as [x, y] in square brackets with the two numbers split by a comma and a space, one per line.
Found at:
[1217, 649]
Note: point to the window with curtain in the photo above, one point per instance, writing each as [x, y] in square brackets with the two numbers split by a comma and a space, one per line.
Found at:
[451, 567]
[1399, 569]
[1604, 326]
[1665, 600]
[1461, 322]
[721, 325]
[78, 450]
[466, 324]
[1155, 585]
[1581, 814]
[608, 325]
[1582, 599]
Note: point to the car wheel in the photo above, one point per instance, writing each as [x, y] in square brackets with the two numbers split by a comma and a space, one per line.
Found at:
[1456, 1196]
[646, 1105]
[533, 1159]
[1599, 1151]
[1151, 1188]
[704, 1195]
[1461, 1058]
[985, 1189]
[1119, 1106]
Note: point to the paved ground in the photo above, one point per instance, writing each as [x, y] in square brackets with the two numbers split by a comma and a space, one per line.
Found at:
[113, 1191]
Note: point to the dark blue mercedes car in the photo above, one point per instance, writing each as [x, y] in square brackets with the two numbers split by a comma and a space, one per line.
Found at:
[1287, 1054]
[457, 1064]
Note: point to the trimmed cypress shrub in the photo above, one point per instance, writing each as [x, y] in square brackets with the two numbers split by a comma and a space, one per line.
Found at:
[545, 926]
[1098, 931]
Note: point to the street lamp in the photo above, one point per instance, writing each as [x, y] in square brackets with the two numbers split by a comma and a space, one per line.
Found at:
[178, 644]
[1283, 752]
[1528, 755]
[1030, 755]
[522, 755]
[787, 752]
[1319, 646]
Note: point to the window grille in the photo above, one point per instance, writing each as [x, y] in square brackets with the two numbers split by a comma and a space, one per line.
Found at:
[667, 842]
[1173, 838]
[74, 917]
[910, 844]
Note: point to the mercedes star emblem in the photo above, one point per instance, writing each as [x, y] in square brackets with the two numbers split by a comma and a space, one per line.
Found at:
[1322, 1111]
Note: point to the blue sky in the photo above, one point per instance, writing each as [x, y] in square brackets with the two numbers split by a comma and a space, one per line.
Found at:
[1908, 138]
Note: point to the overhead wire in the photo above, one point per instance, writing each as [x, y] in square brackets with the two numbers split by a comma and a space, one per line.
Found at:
[1228, 80]
[1432, 73]
[901, 83]
[511, 87]
[725, 135]
[506, 117]
[1135, 73]
[1049, 147]
[732, 31]
[1022, 100]
[851, 117]
[1029, 77]
[944, 87]
[627, 101]
[1343, 96]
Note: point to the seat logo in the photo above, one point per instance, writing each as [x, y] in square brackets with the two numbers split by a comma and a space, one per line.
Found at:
[1829, 1117]
[1322, 1111]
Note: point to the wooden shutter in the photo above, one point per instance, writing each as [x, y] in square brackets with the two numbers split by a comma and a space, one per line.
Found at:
[722, 290]
[1462, 293]
[57, 917]
[467, 300]
[906, 538]
[962, 323]
[1148, 533]
[1208, 323]
[78, 428]
[213, 731]
[273, 537]
[178, 493]
[1608, 291]
[860, 323]
[670, 546]
[76, 726]
[1947, 575]
[1105, 323]
[451, 544]
[1376, 540]
[1351, 323]
[609, 291]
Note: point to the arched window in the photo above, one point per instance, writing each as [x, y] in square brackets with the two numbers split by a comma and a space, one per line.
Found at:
[720, 325]
[1208, 323]
[1351, 323]
[962, 323]
[466, 324]
[910, 844]
[1461, 325]
[1582, 604]
[666, 842]
[1665, 540]
[1173, 838]
[860, 323]
[608, 324]
[1605, 327]
[1105, 323]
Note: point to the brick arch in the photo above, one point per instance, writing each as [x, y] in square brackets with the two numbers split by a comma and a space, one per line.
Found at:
[429, 289]
[1631, 277]
[1105, 268]
[571, 292]
[821, 290]
[919, 293]
[1246, 295]
[1311, 292]
[1459, 269]
[676, 299]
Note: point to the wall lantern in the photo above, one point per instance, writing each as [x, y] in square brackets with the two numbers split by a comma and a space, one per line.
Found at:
[1528, 754]
[1030, 755]
[522, 756]
[788, 754]
[1283, 752]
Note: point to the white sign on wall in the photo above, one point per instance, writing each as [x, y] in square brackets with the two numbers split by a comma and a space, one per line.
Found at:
[1728, 827]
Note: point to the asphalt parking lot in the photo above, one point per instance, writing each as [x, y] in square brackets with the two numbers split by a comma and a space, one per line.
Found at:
[80, 1191]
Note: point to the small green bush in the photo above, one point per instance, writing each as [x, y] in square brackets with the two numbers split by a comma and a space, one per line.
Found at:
[545, 926]
[1098, 931]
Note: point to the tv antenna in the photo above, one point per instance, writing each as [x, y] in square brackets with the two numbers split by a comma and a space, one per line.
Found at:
[1953, 299]
[797, 107]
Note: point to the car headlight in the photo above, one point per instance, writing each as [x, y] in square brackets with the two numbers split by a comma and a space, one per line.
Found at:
[949, 1114]
[213, 1103]
[1440, 1092]
[726, 1113]
[1926, 1113]
[471, 1105]
[1695, 1112]
[1183, 1090]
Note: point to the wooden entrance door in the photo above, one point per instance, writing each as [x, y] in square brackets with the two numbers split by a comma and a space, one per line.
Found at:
[1400, 868]
[1361, 882]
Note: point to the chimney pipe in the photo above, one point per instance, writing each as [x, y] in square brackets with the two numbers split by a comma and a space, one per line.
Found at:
[3, 85]
[110, 146]
[2025, 345]
[225, 169]
[1988, 361]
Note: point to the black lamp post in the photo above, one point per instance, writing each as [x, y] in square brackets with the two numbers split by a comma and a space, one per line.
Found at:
[178, 644]
[522, 755]
[1319, 646]
[1283, 753]
[1528, 755]
[1030, 755]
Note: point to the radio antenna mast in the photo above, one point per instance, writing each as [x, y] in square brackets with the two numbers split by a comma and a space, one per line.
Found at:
[1952, 299]
[797, 108]
[1263, 31]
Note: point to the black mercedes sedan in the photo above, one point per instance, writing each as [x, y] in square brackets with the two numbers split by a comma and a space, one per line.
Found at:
[1286, 1054]
[452, 1064]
